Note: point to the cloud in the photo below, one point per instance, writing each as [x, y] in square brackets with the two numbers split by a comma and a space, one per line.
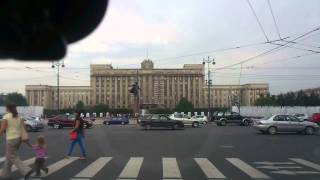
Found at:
[125, 27]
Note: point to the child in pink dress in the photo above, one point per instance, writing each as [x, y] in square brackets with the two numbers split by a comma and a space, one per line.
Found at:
[40, 150]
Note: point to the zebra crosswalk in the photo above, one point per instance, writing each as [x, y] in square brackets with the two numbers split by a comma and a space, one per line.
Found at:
[171, 168]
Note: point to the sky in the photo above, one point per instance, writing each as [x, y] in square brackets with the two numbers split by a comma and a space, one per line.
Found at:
[177, 32]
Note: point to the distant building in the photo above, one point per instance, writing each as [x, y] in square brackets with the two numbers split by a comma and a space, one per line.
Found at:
[227, 95]
[47, 96]
[310, 91]
[159, 88]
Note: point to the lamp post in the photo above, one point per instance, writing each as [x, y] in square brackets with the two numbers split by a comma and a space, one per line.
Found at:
[58, 65]
[209, 61]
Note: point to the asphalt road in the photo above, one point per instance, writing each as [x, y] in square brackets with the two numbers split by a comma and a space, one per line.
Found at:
[128, 152]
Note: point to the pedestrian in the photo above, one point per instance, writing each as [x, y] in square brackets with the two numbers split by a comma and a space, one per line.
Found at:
[40, 150]
[14, 128]
[76, 136]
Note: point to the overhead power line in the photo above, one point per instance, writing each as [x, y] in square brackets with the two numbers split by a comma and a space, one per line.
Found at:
[296, 48]
[218, 50]
[269, 51]
[260, 25]
[302, 44]
[274, 19]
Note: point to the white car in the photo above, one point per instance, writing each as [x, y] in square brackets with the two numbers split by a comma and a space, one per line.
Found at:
[201, 118]
[187, 120]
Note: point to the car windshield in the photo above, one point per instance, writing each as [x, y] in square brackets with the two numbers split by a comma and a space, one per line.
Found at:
[299, 115]
[160, 89]
[267, 117]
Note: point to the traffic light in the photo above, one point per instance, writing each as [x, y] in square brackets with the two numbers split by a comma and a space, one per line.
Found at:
[42, 29]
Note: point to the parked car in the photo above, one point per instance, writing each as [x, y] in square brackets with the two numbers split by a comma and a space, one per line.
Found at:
[158, 120]
[224, 118]
[201, 118]
[285, 123]
[116, 120]
[62, 121]
[33, 123]
[303, 117]
[315, 118]
[186, 120]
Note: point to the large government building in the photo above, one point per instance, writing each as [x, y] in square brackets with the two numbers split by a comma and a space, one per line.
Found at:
[159, 88]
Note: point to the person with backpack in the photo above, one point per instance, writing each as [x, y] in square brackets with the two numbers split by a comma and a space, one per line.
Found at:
[76, 136]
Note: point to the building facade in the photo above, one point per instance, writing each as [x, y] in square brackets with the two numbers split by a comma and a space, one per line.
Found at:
[228, 95]
[159, 88]
[47, 96]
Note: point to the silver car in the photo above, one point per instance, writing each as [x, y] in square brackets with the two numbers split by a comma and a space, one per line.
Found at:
[285, 123]
[301, 116]
[33, 123]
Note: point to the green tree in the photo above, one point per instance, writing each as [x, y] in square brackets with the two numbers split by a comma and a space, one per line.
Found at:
[184, 106]
[16, 98]
[100, 108]
[265, 101]
[80, 106]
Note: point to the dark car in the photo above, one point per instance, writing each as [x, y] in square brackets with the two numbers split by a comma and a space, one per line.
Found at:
[223, 118]
[158, 120]
[117, 120]
[62, 121]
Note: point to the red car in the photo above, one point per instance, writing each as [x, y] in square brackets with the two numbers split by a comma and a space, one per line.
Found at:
[61, 121]
[315, 118]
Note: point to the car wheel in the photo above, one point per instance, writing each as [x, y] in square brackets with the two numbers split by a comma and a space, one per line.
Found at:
[175, 126]
[246, 123]
[56, 126]
[272, 130]
[309, 130]
[195, 124]
[147, 127]
[28, 128]
[86, 125]
[223, 123]
[122, 123]
[263, 132]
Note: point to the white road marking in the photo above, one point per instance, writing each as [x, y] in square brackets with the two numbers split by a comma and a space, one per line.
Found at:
[287, 172]
[170, 168]
[246, 168]
[209, 169]
[93, 168]
[59, 165]
[278, 167]
[274, 163]
[132, 168]
[26, 162]
[306, 163]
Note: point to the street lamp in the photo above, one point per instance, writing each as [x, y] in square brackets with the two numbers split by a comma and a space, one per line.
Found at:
[57, 65]
[209, 61]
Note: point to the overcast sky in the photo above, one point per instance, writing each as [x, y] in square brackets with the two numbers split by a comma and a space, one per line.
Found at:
[175, 32]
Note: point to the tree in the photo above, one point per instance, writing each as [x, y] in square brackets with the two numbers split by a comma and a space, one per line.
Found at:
[80, 106]
[184, 106]
[16, 98]
[100, 108]
[265, 101]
